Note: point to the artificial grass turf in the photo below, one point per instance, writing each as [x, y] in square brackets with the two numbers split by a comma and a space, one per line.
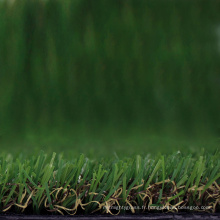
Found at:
[55, 185]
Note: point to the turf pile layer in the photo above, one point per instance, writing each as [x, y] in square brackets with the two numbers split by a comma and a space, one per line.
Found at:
[133, 185]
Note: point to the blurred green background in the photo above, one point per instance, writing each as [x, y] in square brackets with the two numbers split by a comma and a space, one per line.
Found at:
[106, 75]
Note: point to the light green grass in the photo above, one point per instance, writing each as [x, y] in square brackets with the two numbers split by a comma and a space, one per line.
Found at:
[40, 184]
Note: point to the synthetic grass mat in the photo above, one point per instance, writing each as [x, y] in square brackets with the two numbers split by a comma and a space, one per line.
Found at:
[51, 184]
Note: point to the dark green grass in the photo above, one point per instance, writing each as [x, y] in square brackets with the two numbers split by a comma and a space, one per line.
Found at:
[52, 184]
[107, 143]
[65, 63]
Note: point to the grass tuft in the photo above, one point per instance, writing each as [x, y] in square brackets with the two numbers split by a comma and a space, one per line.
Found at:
[169, 182]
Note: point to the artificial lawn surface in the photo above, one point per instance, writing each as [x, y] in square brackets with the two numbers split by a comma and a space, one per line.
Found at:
[94, 82]
[52, 184]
